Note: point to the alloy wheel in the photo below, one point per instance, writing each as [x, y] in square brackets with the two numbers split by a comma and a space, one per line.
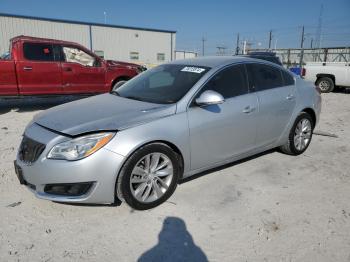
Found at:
[302, 134]
[151, 177]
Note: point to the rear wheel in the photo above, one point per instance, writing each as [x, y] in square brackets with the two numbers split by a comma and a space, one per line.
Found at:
[150, 176]
[325, 84]
[300, 135]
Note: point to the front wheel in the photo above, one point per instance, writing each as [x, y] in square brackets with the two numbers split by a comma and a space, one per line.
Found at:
[300, 135]
[149, 177]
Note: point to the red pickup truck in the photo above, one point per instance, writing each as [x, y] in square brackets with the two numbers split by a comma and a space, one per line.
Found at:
[38, 66]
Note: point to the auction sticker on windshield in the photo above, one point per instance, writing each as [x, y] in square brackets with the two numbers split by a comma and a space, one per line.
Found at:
[192, 69]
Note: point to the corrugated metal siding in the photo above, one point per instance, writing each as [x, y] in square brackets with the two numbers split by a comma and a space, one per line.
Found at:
[11, 27]
[116, 43]
[184, 55]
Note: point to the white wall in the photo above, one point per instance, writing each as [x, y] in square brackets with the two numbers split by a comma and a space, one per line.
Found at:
[116, 43]
[184, 55]
[11, 27]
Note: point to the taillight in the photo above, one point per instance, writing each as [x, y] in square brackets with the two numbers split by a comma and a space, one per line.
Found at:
[303, 72]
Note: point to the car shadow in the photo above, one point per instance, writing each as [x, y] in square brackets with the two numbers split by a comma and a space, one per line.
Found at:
[116, 203]
[29, 104]
[342, 90]
[175, 243]
[187, 179]
[89, 205]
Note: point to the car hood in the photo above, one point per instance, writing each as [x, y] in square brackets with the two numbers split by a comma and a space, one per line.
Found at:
[101, 113]
[114, 63]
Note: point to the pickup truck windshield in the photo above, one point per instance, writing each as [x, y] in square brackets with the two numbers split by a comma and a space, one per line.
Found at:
[165, 84]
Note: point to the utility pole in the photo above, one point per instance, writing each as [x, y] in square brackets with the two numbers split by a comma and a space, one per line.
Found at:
[203, 40]
[270, 39]
[319, 29]
[302, 47]
[237, 45]
[105, 16]
[311, 43]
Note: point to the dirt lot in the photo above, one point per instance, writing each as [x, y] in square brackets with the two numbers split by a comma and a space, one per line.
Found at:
[272, 207]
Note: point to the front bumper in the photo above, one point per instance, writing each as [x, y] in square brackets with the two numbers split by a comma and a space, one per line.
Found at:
[100, 169]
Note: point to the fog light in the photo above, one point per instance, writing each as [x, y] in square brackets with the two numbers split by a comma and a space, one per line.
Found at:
[72, 189]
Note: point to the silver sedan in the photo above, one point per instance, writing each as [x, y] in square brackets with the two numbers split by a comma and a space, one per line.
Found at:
[166, 124]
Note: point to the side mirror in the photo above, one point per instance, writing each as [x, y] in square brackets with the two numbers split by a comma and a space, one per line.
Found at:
[97, 62]
[209, 97]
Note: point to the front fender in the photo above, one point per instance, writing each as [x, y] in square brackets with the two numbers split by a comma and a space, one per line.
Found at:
[172, 129]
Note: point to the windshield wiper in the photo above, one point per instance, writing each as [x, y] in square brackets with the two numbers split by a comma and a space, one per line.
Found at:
[134, 98]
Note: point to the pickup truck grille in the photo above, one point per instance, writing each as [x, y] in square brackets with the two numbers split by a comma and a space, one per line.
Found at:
[30, 150]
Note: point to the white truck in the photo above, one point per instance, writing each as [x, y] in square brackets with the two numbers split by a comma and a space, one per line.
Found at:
[327, 75]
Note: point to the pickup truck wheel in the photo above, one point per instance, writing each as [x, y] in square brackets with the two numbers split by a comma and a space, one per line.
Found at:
[325, 84]
[118, 84]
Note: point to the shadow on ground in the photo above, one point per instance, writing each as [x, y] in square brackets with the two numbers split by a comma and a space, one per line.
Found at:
[185, 180]
[175, 243]
[342, 90]
[28, 104]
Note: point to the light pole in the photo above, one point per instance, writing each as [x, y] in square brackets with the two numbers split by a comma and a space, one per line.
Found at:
[276, 43]
[105, 15]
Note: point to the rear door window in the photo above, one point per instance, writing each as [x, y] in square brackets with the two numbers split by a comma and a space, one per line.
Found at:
[264, 76]
[229, 82]
[288, 78]
[58, 53]
[38, 52]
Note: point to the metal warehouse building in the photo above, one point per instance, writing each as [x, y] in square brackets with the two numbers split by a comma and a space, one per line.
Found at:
[134, 44]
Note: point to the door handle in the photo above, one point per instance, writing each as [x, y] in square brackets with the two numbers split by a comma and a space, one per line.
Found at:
[68, 69]
[248, 109]
[290, 97]
[27, 68]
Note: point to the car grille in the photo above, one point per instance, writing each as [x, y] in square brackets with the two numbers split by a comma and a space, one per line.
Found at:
[30, 150]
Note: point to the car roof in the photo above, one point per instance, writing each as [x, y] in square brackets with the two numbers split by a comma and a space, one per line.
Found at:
[42, 40]
[213, 61]
[261, 53]
[219, 61]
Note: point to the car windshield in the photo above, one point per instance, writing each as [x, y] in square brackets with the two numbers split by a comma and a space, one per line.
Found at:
[164, 84]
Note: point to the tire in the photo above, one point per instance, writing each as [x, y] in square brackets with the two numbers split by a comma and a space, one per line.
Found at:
[325, 84]
[292, 146]
[136, 184]
[118, 84]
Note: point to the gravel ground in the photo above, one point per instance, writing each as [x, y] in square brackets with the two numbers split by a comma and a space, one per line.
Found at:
[272, 207]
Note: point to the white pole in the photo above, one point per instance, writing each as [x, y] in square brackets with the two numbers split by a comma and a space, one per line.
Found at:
[105, 15]
[276, 44]
[244, 46]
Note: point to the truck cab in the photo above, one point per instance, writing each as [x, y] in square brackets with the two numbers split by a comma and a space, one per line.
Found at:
[38, 66]
[327, 75]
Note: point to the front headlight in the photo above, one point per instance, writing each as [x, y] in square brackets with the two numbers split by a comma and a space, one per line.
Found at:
[80, 147]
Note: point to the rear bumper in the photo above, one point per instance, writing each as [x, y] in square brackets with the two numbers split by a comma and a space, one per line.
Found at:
[100, 169]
